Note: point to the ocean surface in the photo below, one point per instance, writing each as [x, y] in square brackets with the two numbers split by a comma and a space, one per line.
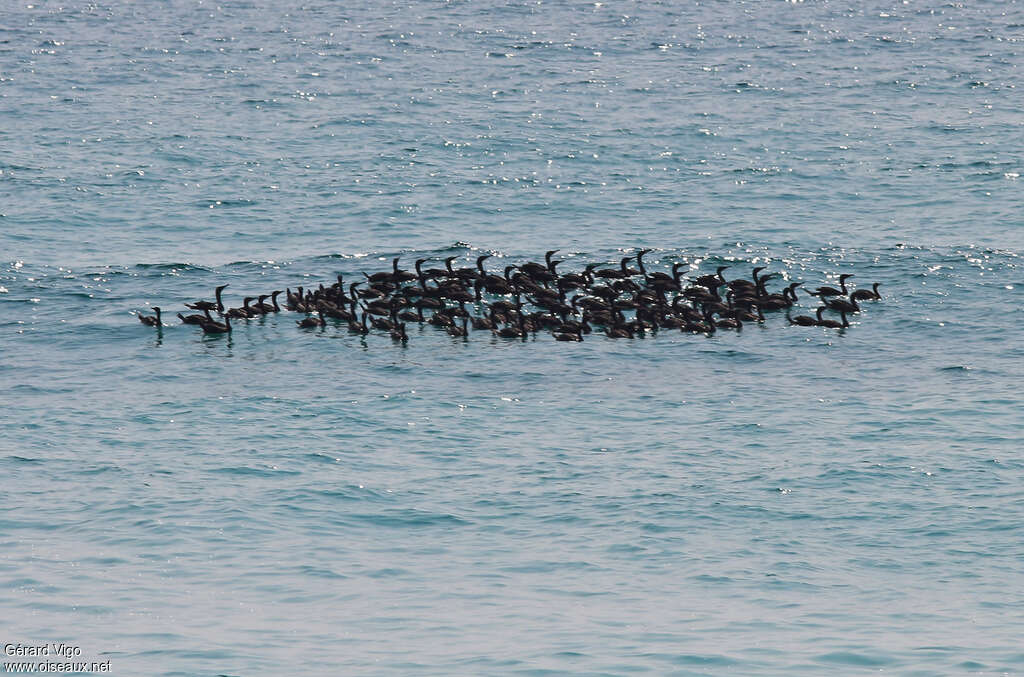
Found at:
[775, 501]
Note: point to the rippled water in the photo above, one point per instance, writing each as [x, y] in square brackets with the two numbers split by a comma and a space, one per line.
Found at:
[781, 500]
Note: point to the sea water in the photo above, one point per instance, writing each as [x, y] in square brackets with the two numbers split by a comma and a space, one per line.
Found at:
[779, 500]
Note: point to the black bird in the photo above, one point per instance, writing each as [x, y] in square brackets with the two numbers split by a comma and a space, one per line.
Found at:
[804, 320]
[784, 300]
[729, 323]
[865, 295]
[150, 320]
[430, 273]
[462, 331]
[712, 281]
[398, 276]
[358, 327]
[620, 331]
[211, 326]
[532, 269]
[192, 319]
[509, 331]
[217, 292]
[244, 312]
[842, 305]
[569, 335]
[270, 307]
[659, 279]
[381, 323]
[261, 308]
[470, 273]
[824, 292]
[310, 322]
[832, 323]
[386, 277]
[206, 305]
[398, 333]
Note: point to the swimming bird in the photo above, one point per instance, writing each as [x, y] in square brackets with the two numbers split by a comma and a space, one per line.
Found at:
[381, 323]
[824, 292]
[866, 295]
[385, 276]
[429, 273]
[260, 308]
[399, 276]
[398, 333]
[712, 281]
[804, 320]
[778, 301]
[358, 327]
[241, 313]
[270, 307]
[530, 267]
[217, 292]
[622, 272]
[334, 312]
[192, 319]
[831, 323]
[739, 284]
[211, 326]
[294, 302]
[150, 320]
[727, 322]
[484, 322]
[659, 279]
[842, 305]
[474, 273]
[410, 316]
[462, 331]
[620, 331]
[207, 305]
[509, 331]
[310, 322]
[568, 335]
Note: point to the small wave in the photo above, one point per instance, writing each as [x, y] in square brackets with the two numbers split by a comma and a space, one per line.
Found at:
[409, 518]
[703, 659]
[247, 471]
[24, 460]
[99, 470]
[321, 573]
[172, 266]
[851, 658]
[214, 203]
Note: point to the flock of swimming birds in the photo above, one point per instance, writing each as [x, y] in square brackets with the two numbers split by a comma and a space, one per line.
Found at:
[622, 302]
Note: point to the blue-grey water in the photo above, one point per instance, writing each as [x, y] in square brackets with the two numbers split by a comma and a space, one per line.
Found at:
[775, 501]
